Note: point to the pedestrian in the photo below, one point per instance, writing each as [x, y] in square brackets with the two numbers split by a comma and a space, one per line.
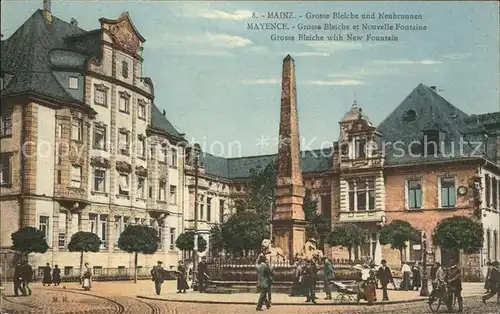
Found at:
[406, 271]
[310, 274]
[264, 279]
[202, 275]
[27, 277]
[157, 276]
[416, 275]
[271, 280]
[297, 288]
[454, 280]
[385, 276]
[494, 286]
[438, 279]
[487, 276]
[47, 275]
[182, 284]
[56, 275]
[18, 279]
[328, 277]
[87, 277]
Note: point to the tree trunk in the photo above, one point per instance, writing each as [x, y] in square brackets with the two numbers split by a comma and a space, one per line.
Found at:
[81, 265]
[401, 256]
[135, 266]
[349, 249]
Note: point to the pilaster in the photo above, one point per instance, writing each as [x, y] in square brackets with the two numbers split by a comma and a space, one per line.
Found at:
[113, 134]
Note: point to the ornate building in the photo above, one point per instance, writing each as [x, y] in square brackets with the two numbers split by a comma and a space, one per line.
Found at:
[83, 145]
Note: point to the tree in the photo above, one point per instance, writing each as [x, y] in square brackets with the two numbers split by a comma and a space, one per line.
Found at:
[139, 239]
[216, 239]
[459, 233]
[185, 242]
[397, 234]
[29, 240]
[261, 190]
[244, 231]
[319, 226]
[84, 242]
[347, 235]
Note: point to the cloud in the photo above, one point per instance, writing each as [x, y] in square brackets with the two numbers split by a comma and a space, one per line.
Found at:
[222, 15]
[457, 56]
[333, 46]
[365, 71]
[307, 54]
[269, 81]
[407, 62]
[336, 83]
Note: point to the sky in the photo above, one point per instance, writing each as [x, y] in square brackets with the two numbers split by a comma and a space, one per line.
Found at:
[220, 82]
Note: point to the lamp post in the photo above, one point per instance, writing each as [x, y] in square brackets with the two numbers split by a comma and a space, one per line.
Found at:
[195, 246]
[424, 292]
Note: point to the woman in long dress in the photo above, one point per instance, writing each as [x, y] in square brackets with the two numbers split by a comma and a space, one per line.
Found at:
[47, 275]
[87, 277]
[182, 284]
[417, 278]
[56, 275]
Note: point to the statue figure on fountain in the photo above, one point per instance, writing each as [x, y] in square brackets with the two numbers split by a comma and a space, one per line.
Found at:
[311, 253]
[273, 254]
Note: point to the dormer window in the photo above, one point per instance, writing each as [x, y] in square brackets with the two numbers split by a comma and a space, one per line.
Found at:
[410, 115]
[431, 142]
[125, 69]
[73, 82]
[360, 148]
[344, 150]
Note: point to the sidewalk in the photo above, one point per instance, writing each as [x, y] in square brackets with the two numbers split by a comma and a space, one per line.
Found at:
[169, 294]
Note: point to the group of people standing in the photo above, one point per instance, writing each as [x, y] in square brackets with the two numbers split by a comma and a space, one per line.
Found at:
[51, 276]
[412, 277]
[492, 281]
[23, 276]
[158, 276]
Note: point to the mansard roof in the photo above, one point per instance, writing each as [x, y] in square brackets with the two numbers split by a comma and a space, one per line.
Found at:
[160, 123]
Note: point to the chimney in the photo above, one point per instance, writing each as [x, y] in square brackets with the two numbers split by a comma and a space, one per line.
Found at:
[47, 12]
[74, 22]
[164, 112]
[433, 88]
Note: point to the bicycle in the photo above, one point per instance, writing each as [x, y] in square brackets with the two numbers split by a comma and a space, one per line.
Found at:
[442, 295]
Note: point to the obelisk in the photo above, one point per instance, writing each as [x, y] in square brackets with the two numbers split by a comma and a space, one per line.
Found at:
[288, 222]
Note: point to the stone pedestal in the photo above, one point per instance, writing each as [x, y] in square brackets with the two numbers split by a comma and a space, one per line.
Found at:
[290, 236]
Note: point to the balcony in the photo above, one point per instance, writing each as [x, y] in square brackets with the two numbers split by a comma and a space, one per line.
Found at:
[361, 216]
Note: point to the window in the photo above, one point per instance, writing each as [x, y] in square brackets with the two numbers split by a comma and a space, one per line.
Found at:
[59, 176]
[73, 82]
[77, 129]
[76, 176]
[99, 180]
[414, 194]
[123, 142]
[123, 188]
[124, 105]
[362, 195]
[173, 157]
[43, 225]
[495, 245]
[344, 150]
[431, 143]
[367, 249]
[62, 230]
[172, 238]
[99, 137]
[202, 207]
[209, 209]
[93, 224]
[221, 211]
[161, 190]
[173, 194]
[494, 186]
[164, 152]
[5, 169]
[415, 247]
[101, 97]
[360, 148]
[448, 195]
[125, 69]
[141, 147]
[6, 123]
[104, 231]
[68, 270]
[141, 110]
[141, 186]
[487, 190]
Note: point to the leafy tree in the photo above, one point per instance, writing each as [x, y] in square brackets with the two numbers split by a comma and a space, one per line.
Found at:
[29, 240]
[84, 242]
[216, 239]
[397, 234]
[244, 231]
[459, 233]
[139, 239]
[185, 242]
[319, 226]
[261, 190]
[347, 235]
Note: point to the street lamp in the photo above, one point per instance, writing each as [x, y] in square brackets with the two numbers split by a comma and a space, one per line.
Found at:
[424, 292]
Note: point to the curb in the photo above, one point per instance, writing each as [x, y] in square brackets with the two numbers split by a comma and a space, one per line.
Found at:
[281, 303]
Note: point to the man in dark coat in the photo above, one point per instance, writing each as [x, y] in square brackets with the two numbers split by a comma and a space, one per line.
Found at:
[454, 280]
[18, 279]
[494, 284]
[310, 278]
[328, 277]
[264, 283]
[157, 277]
[27, 276]
[385, 277]
[202, 275]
